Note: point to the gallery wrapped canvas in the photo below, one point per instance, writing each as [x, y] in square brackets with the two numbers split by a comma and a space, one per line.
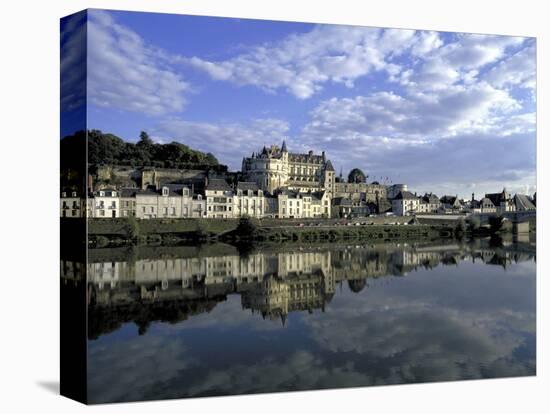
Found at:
[252, 206]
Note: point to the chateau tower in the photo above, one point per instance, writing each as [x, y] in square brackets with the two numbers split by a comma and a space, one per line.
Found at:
[274, 168]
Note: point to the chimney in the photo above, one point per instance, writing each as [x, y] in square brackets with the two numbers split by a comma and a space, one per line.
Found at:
[473, 198]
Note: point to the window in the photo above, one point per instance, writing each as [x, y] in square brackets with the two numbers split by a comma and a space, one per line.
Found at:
[102, 212]
[173, 211]
[165, 211]
[152, 209]
[143, 209]
[64, 204]
[74, 213]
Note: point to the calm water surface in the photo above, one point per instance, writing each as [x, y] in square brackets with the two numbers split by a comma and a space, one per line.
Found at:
[172, 322]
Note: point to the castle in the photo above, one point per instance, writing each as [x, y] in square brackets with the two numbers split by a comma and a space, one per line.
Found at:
[274, 168]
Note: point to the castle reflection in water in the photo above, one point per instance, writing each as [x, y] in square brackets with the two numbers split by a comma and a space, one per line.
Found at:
[173, 283]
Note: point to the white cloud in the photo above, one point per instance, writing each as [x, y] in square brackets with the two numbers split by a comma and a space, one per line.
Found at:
[301, 63]
[411, 117]
[124, 72]
[518, 69]
[428, 42]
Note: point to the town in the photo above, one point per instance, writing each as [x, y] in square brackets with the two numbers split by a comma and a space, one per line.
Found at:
[274, 183]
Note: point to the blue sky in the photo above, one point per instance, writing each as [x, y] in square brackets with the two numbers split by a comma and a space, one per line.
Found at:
[444, 112]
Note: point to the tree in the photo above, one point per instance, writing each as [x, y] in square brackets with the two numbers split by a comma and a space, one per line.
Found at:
[131, 228]
[460, 228]
[145, 140]
[246, 228]
[108, 149]
[356, 176]
[474, 223]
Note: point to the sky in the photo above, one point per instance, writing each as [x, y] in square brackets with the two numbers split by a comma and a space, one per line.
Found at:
[449, 113]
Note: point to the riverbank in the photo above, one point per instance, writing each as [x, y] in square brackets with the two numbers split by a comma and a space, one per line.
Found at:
[120, 232]
[127, 232]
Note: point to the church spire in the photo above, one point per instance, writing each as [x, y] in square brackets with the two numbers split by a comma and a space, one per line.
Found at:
[283, 148]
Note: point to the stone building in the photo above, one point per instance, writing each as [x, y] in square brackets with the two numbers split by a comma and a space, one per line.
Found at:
[487, 206]
[503, 201]
[295, 204]
[360, 192]
[393, 190]
[219, 199]
[192, 205]
[429, 203]
[249, 200]
[451, 203]
[128, 202]
[104, 203]
[274, 168]
[405, 204]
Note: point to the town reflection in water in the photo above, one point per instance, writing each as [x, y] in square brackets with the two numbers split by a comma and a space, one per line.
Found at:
[185, 319]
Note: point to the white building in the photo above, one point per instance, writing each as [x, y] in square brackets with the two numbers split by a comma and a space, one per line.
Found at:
[405, 204]
[192, 205]
[393, 190]
[219, 199]
[294, 204]
[429, 203]
[249, 200]
[105, 203]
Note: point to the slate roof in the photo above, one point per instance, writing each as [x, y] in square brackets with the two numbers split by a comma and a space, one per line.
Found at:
[129, 192]
[497, 198]
[329, 166]
[448, 199]
[485, 200]
[475, 204]
[317, 195]
[405, 195]
[430, 198]
[218, 184]
[247, 185]
[341, 201]
[523, 203]
[318, 159]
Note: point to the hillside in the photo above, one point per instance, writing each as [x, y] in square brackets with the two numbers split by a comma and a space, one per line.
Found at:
[109, 149]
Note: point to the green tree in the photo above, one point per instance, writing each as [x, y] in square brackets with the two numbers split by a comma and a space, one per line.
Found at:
[460, 228]
[246, 228]
[145, 140]
[131, 228]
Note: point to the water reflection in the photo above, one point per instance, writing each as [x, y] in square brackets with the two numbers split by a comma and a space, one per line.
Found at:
[279, 319]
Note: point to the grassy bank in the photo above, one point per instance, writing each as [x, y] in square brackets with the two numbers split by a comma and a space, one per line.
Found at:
[121, 231]
[124, 232]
